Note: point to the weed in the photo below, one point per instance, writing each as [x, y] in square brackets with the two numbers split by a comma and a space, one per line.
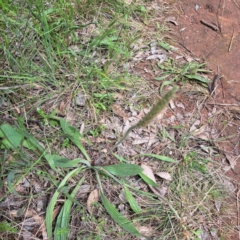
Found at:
[177, 72]
[14, 138]
[6, 227]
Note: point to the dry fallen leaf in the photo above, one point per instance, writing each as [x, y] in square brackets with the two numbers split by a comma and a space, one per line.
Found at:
[171, 19]
[162, 191]
[119, 111]
[194, 126]
[172, 105]
[202, 133]
[13, 213]
[232, 160]
[159, 191]
[82, 128]
[164, 175]
[162, 57]
[36, 186]
[140, 141]
[80, 99]
[148, 172]
[56, 212]
[29, 213]
[62, 108]
[145, 231]
[83, 191]
[40, 205]
[42, 227]
[180, 105]
[92, 198]
[218, 204]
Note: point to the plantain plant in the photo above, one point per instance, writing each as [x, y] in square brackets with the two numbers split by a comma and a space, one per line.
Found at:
[17, 139]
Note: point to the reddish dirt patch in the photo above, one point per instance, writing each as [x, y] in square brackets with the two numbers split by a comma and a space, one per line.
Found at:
[211, 31]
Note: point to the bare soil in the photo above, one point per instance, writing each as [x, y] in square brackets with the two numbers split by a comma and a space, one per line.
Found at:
[210, 31]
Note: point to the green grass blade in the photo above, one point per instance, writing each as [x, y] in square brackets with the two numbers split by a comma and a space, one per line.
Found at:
[119, 218]
[131, 200]
[62, 224]
[162, 77]
[147, 180]
[198, 78]
[120, 158]
[165, 45]
[123, 169]
[165, 84]
[50, 208]
[159, 157]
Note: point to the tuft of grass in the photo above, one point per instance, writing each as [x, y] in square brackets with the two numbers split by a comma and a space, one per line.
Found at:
[54, 49]
[174, 72]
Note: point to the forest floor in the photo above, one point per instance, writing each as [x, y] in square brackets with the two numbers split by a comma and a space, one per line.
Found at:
[75, 76]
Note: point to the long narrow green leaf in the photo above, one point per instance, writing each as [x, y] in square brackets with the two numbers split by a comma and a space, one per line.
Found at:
[148, 180]
[119, 218]
[50, 208]
[165, 84]
[123, 169]
[120, 158]
[13, 137]
[10, 180]
[62, 224]
[27, 144]
[59, 161]
[162, 77]
[33, 141]
[198, 78]
[131, 200]
[50, 160]
[159, 157]
[73, 135]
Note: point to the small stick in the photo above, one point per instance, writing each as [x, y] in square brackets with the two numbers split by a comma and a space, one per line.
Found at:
[14, 87]
[212, 86]
[236, 4]
[210, 25]
[230, 45]
[238, 212]
[224, 104]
